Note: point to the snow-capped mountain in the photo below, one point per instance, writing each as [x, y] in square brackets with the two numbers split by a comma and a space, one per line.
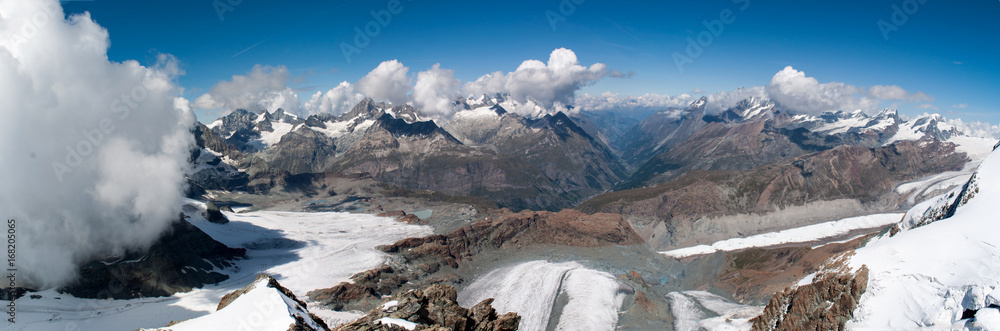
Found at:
[520, 161]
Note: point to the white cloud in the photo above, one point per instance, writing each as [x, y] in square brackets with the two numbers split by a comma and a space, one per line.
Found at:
[720, 101]
[608, 101]
[976, 129]
[264, 87]
[894, 92]
[488, 84]
[927, 106]
[793, 89]
[797, 92]
[550, 85]
[960, 106]
[337, 100]
[436, 91]
[387, 82]
[101, 147]
[553, 84]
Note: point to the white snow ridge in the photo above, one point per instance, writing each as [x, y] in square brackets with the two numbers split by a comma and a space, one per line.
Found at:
[937, 268]
[530, 289]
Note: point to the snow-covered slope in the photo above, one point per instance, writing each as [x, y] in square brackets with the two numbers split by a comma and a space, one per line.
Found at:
[700, 310]
[942, 261]
[531, 288]
[803, 234]
[303, 251]
[260, 307]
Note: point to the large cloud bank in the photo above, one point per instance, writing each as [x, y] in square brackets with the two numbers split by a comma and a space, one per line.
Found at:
[551, 85]
[94, 151]
[796, 91]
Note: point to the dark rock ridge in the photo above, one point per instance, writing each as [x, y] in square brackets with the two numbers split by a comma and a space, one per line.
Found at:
[182, 259]
[825, 304]
[435, 308]
[420, 257]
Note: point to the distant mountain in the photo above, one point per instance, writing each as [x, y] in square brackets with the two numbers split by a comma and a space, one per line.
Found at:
[673, 214]
[546, 162]
[522, 156]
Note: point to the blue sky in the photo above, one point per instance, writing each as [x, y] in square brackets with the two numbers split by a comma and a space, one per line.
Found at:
[947, 49]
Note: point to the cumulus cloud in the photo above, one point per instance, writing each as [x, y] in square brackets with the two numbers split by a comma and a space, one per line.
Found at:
[975, 129]
[263, 88]
[800, 93]
[550, 85]
[793, 89]
[337, 100]
[608, 101]
[720, 101]
[436, 90]
[554, 83]
[388, 82]
[96, 151]
[488, 84]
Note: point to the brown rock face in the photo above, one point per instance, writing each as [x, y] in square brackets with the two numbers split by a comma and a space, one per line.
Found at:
[826, 304]
[425, 256]
[436, 308]
[567, 227]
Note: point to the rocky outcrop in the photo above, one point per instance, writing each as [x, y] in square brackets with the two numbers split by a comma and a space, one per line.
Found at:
[418, 260]
[825, 304]
[434, 308]
[214, 215]
[183, 259]
[301, 151]
[568, 227]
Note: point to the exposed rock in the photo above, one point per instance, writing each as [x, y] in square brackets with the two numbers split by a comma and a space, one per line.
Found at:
[420, 257]
[214, 215]
[182, 259]
[825, 304]
[567, 227]
[12, 293]
[298, 152]
[435, 308]
[867, 175]
[401, 216]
